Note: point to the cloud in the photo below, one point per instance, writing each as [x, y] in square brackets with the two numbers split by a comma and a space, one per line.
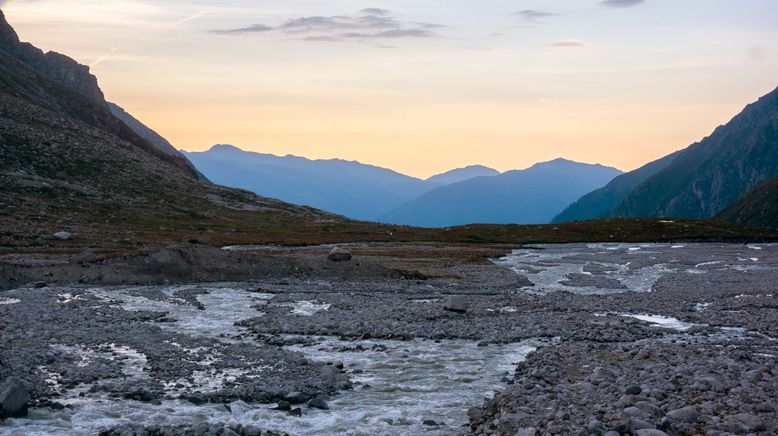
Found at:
[366, 24]
[534, 15]
[568, 43]
[103, 58]
[254, 28]
[622, 3]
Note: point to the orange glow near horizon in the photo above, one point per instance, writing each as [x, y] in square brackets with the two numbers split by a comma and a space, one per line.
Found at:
[616, 87]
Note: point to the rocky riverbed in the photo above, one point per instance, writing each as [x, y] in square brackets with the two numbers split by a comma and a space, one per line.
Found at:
[568, 339]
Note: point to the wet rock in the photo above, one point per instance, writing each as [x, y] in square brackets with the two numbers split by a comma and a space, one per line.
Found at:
[529, 431]
[430, 423]
[296, 397]
[296, 412]
[318, 403]
[284, 406]
[650, 432]
[456, 303]
[13, 398]
[338, 254]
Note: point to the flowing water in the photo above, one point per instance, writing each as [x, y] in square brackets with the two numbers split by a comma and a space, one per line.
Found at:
[397, 384]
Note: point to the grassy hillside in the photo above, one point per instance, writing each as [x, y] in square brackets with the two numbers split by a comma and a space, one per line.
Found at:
[757, 209]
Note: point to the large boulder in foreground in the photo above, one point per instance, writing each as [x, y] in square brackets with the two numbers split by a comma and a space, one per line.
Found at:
[13, 399]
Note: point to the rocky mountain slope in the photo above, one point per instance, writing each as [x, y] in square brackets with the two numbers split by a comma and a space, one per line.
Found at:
[712, 174]
[530, 196]
[758, 208]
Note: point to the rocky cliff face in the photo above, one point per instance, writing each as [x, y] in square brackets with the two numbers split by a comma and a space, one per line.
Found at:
[756, 209]
[55, 65]
[712, 174]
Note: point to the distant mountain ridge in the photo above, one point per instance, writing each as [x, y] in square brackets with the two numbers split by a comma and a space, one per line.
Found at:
[531, 196]
[343, 187]
[462, 174]
[368, 192]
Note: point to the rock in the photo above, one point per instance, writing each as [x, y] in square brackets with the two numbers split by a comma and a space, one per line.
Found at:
[650, 432]
[338, 254]
[38, 285]
[529, 431]
[284, 406]
[474, 414]
[13, 399]
[338, 364]
[743, 423]
[687, 414]
[633, 390]
[63, 236]
[86, 256]
[601, 374]
[296, 398]
[318, 403]
[296, 412]
[456, 303]
[430, 423]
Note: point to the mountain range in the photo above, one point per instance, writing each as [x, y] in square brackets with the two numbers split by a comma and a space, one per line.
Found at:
[474, 194]
[530, 196]
[697, 182]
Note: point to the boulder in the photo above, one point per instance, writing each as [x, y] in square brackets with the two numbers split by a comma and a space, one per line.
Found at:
[318, 403]
[456, 303]
[63, 236]
[13, 399]
[295, 397]
[338, 254]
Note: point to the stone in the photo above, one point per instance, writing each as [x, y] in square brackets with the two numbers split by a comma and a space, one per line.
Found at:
[318, 403]
[456, 303]
[633, 390]
[528, 431]
[295, 398]
[474, 414]
[63, 236]
[650, 432]
[86, 256]
[284, 406]
[296, 412]
[13, 399]
[686, 414]
[743, 423]
[430, 423]
[338, 364]
[338, 254]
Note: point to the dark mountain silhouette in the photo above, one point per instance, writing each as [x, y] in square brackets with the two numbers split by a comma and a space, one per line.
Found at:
[344, 187]
[534, 195]
[710, 175]
[757, 209]
[462, 174]
[602, 202]
[66, 163]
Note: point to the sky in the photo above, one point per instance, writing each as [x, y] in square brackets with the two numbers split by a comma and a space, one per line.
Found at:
[422, 86]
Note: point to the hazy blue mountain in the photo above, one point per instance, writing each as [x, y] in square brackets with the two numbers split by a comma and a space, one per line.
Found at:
[347, 188]
[533, 195]
[462, 174]
[601, 202]
[710, 175]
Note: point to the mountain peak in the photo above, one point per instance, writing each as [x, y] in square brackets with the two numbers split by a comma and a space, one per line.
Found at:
[462, 174]
[8, 36]
[225, 148]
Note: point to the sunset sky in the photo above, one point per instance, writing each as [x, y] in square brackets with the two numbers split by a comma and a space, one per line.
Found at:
[422, 86]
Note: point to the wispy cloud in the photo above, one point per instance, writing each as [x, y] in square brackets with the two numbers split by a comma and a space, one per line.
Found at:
[367, 24]
[534, 15]
[622, 3]
[568, 43]
[193, 17]
[103, 58]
